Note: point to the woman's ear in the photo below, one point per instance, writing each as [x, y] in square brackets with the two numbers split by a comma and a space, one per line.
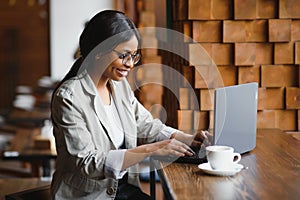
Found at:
[98, 56]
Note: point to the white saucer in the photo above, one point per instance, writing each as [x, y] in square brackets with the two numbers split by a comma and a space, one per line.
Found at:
[205, 167]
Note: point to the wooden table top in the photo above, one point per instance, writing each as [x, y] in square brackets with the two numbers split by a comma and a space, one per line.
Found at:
[22, 147]
[13, 185]
[30, 119]
[272, 172]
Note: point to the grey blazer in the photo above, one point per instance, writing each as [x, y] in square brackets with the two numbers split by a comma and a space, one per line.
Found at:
[82, 135]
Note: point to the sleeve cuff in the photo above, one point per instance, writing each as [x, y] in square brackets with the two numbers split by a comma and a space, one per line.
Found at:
[166, 133]
[113, 164]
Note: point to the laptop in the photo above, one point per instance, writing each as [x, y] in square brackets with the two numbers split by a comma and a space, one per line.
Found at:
[235, 117]
[235, 114]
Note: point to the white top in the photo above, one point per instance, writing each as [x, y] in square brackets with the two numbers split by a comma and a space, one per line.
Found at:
[115, 158]
[114, 119]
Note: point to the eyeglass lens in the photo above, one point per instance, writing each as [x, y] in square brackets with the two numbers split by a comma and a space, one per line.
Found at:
[127, 57]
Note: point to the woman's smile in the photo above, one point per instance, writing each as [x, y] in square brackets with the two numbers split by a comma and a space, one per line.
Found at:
[122, 72]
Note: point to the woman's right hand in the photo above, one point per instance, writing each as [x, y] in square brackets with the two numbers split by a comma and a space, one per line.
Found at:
[167, 147]
[161, 148]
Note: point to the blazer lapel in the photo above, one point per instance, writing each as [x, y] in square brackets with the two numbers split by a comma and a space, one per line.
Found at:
[129, 130]
[98, 106]
[102, 115]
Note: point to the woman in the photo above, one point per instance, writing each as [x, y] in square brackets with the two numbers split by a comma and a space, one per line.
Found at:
[97, 120]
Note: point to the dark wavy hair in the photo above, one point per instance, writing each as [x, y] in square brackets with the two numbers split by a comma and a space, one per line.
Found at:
[104, 25]
[98, 30]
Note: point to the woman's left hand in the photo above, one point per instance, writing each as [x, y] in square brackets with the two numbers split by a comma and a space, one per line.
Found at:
[196, 140]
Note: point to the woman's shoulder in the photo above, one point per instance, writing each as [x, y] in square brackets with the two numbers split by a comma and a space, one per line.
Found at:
[69, 87]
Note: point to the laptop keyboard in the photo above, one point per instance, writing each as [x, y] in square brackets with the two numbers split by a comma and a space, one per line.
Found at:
[197, 158]
[191, 160]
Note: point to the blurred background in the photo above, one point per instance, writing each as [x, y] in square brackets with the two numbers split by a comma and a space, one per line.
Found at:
[257, 41]
[248, 41]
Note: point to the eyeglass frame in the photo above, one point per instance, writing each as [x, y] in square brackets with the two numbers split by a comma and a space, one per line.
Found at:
[127, 54]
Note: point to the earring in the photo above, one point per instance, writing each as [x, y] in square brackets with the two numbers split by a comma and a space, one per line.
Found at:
[97, 57]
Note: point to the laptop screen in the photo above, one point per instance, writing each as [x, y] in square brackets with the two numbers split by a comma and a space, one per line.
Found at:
[235, 114]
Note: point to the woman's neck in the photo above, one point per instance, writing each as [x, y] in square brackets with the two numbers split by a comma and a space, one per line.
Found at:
[104, 90]
[102, 85]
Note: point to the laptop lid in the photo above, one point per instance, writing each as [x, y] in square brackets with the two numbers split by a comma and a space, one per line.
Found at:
[235, 116]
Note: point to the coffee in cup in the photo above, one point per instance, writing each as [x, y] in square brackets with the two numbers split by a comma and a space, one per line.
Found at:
[222, 157]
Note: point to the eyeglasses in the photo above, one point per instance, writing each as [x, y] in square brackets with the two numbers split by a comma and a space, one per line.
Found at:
[126, 57]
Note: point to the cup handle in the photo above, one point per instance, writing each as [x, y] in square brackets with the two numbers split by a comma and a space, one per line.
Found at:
[237, 157]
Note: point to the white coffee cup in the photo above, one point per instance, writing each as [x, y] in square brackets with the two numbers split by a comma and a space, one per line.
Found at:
[222, 157]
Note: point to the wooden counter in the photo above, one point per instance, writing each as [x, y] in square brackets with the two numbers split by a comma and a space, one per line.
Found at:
[272, 171]
[13, 185]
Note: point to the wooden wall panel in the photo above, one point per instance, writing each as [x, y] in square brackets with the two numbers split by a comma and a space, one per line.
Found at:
[206, 76]
[293, 98]
[264, 53]
[244, 9]
[289, 9]
[280, 30]
[24, 49]
[188, 73]
[201, 119]
[235, 31]
[245, 54]
[245, 31]
[286, 119]
[297, 53]
[184, 98]
[279, 76]
[180, 9]
[199, 9]
[185, 119]
[226, 50]
[229, 75]
[295, 32]
[249, 74]
[207, 31]
[246, 41]
[149, 75]
[221, 9]
[271, 98]
[284, 53]
[281, 119]
[266, 119]
[200, 54]
[209, 9]
[266, 9]
[207, 99]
